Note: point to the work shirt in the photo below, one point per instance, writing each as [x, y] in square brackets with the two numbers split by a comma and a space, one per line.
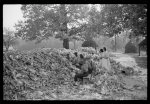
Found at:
[88, 66]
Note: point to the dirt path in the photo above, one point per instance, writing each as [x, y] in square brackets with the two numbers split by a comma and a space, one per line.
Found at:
[131, 60]
[136, 85]
[139, 63]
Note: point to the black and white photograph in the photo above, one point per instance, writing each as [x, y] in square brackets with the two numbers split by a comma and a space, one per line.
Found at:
[74, 52]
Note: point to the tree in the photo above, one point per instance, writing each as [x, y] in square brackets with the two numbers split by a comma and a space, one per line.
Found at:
[63, 21]
[115, 18]
[43, 21]
[8, 38]
[136, 18]
[118, 17]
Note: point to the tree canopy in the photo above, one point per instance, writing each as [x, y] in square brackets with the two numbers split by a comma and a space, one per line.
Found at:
[118, 17]
[43, 21]
[67, 21]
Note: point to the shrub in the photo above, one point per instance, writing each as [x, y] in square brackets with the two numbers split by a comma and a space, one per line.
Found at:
[89, 43]
[130, 48]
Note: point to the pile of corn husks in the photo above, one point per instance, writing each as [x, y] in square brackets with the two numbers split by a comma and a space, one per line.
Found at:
[45, 74]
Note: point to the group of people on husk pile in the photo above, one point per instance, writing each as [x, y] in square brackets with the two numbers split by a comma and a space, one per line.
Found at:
[87, 66]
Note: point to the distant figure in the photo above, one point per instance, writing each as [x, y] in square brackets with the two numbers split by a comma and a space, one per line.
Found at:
[101, 51]
[105, 60]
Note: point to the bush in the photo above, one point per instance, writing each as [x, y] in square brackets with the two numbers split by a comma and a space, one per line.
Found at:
[89, 43]
[130, 48]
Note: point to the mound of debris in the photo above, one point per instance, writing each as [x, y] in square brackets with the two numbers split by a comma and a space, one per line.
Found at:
[47, 74]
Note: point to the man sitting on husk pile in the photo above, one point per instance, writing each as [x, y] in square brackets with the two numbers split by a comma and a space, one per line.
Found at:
[86, 66]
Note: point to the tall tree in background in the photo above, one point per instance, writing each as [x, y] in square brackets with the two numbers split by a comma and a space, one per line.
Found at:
[65, 21]
[117, 17]
[64, 27]
[43, 21]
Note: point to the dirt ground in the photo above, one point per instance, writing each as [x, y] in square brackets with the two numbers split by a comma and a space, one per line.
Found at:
[137, 85]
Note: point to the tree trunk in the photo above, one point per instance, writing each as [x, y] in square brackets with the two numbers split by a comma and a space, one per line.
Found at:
[64, 28]
[124, 41]
[115, 43]
[139, 50]
[66, 43]
[74, 44]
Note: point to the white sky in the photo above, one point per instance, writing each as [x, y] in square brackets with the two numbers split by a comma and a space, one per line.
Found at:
[11, 14]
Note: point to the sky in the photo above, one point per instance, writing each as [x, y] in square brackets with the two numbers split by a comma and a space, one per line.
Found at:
[11, 14]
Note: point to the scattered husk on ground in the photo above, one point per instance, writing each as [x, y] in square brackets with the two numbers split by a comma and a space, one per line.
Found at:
[46, 74]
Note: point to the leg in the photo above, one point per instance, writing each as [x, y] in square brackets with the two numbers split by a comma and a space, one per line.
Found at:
[80, 76]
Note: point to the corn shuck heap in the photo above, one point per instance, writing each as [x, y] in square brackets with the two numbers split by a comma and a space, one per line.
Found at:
[48, 71]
